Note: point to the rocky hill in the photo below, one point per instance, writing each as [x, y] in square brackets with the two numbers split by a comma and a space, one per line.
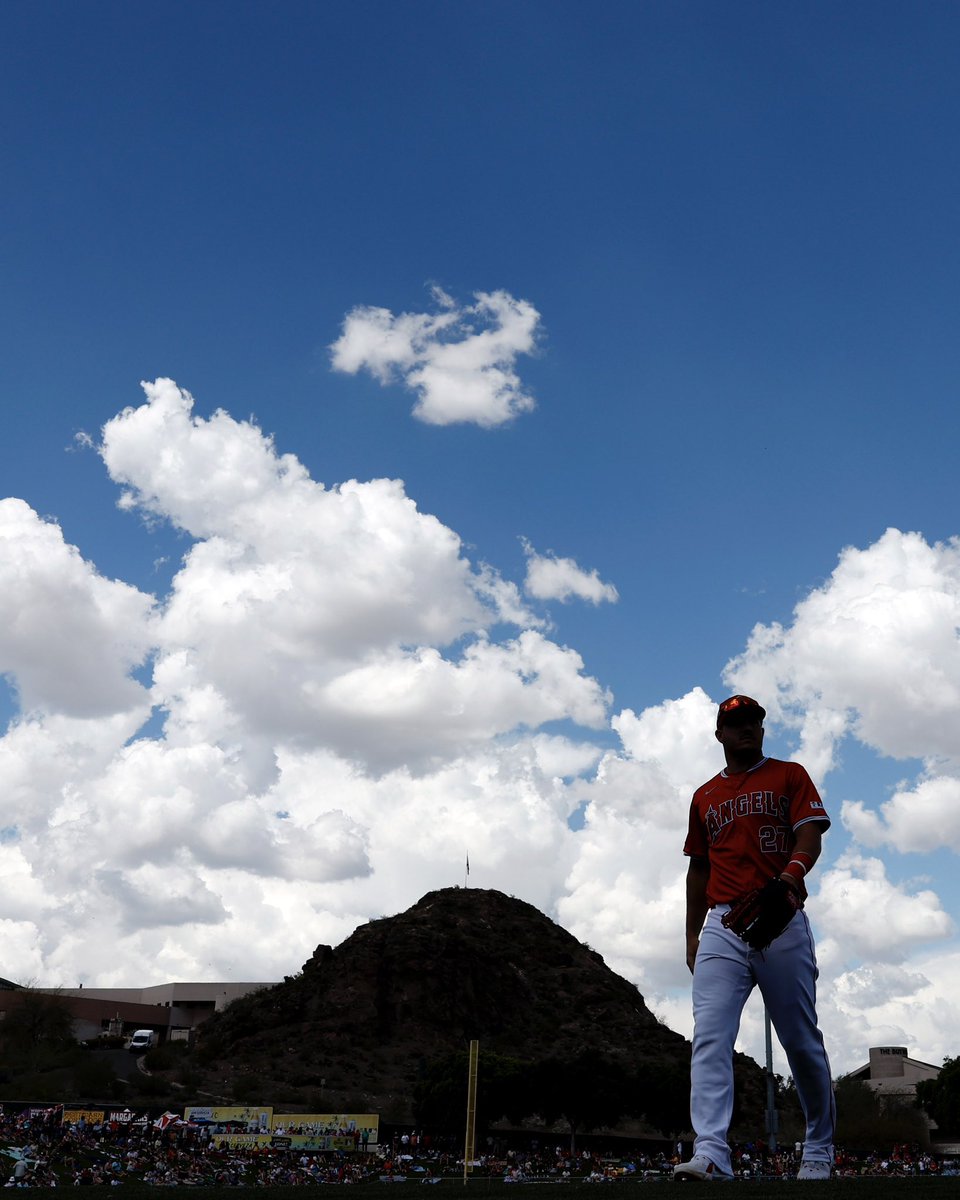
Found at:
[359, 1025]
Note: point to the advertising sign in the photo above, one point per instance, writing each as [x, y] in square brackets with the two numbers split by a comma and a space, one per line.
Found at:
[246, 1128]
[341, 1124]
[89, 1116]
[230, 1120]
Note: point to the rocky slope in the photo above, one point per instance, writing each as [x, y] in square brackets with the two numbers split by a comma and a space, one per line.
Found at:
[359, 1024]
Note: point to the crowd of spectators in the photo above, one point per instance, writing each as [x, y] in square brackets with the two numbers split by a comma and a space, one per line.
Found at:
[750, 1161]
[756, 1162]
[46, 1152]
[43, 1151]
[901, 1160]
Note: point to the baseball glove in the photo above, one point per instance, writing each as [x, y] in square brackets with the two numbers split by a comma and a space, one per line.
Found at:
[763, 914]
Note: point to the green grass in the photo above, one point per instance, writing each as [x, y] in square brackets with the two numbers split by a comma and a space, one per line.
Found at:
[868, 1188]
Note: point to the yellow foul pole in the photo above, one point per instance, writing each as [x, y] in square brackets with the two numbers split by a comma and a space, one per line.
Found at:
[469, 1148]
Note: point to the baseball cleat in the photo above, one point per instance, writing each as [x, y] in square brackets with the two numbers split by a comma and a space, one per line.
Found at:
[813, 1169]
[700, 1168]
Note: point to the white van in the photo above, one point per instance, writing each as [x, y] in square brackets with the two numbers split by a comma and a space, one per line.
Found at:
[142, 1040]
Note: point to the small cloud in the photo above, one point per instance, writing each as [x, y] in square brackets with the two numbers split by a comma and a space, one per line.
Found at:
[919, 819]
[864, 914]
[552, 578]
[871, 652]
[458, 361]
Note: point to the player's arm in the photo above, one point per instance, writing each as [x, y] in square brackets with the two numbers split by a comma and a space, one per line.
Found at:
[808, 842]
[698, 872]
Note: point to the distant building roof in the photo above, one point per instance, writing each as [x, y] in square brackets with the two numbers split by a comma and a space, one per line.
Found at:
[891, 1071]
[172, 995]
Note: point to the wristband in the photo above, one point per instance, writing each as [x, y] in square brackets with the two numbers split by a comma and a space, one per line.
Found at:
[794, 872]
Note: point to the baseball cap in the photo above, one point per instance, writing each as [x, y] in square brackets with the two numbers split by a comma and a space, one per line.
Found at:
[737, 705]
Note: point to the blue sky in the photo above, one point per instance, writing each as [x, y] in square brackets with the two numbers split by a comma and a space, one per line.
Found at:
[735, 225]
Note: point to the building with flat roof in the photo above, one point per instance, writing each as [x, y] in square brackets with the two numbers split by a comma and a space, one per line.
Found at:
[172, 1010]
[891, 1072]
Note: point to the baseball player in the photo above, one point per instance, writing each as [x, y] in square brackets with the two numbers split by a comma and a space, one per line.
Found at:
[754, 834]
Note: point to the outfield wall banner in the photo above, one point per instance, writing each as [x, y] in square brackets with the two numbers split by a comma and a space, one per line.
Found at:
[126, 1116]
[291, 1141]
[357, 1129]
[239, 1141]
[89, 1116]
[230, 1120]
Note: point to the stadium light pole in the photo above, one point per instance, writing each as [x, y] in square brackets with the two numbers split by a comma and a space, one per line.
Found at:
[773, 1120]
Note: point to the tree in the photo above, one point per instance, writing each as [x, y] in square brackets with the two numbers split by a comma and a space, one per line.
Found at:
[587, 1092]
[37, 1026]
[868, 1120]
[662, 1097]
[789, 1113]
[440, 1092]
[94, 1078]
[940, 1098]
[36, 1017]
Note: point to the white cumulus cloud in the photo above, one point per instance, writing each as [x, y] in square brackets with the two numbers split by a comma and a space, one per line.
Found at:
[552, 578]
[922, 818]
[68, 636]
[338, 726]
[345, 705]
[459, 361]
[873, 652]
[863, 915]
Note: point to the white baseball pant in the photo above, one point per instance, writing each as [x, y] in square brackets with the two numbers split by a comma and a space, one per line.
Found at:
[724, 975]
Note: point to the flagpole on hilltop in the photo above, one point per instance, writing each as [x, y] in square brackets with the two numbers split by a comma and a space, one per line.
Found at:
[466, 874]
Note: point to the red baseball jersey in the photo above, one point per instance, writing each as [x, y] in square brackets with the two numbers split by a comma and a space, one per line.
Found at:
[745, 823]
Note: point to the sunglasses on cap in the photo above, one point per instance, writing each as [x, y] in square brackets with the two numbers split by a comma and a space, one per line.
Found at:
[740, 707]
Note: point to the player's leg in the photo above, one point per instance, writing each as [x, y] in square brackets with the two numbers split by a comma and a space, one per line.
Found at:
[722, 981]
[787, 975]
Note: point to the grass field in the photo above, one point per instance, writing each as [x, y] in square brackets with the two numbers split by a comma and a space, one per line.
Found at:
[868, 1188]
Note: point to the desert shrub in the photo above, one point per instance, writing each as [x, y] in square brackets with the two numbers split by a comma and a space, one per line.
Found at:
[248, 1087]
[165, 1057]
